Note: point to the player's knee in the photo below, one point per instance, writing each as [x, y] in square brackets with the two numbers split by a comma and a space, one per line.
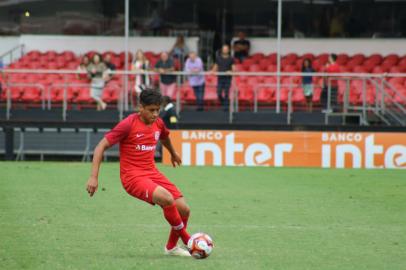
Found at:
[184, 210]
[165, 199]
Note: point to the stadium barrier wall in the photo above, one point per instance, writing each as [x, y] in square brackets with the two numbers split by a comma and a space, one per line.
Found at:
[83, 44]
[368, 150]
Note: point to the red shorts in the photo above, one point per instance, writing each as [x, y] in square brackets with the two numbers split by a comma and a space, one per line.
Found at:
[142, 185]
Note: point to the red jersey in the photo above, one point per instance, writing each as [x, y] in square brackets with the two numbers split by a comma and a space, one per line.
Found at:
[333, 68]
[137, 143]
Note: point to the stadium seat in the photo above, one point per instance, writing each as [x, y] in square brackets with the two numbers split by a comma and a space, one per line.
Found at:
[210, 94]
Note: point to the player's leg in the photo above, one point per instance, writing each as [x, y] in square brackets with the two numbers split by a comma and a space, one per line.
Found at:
[184, 212]
[164, 198]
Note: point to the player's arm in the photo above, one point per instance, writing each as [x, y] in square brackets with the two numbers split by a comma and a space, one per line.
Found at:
[175, 159]
[93, 181]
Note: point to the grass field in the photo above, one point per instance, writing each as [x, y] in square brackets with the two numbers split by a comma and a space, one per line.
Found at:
[260, 218]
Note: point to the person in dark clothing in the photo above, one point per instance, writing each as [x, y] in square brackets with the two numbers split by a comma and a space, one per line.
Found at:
[168, 112]
[241, 47]
[224, 63]
[307, 83]
[168, 82]
[110, 66]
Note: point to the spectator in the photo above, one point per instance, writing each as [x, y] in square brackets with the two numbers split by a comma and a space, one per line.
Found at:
[168, 113]
[97, 71]
[194, 65]
[110, 66]
[331, 67]
[241, 47]
[83, 67]
[307, 82]
[141, 64]
[224, 63]
[179, 50]
[167, 84]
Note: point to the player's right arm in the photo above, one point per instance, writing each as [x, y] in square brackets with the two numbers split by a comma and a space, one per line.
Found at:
[93, 181]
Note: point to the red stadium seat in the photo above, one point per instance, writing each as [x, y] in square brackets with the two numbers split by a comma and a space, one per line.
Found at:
[265, 95]
[309, 56]
[264, 63]
[257, 56]
[31, 94]
[342, 58]
[271, 68]
[394, 58]
[210, 94]
[84, 96]
[255, 68]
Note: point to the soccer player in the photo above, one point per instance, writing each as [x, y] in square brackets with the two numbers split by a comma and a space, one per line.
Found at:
[138, 135]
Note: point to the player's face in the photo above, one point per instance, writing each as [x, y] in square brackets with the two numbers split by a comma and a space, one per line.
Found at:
[149, 113]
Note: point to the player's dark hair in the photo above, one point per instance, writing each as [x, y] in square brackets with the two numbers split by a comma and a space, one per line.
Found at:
[334, 56]
[150, 97]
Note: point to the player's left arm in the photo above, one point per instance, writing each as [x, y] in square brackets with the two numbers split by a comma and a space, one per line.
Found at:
[175, 158]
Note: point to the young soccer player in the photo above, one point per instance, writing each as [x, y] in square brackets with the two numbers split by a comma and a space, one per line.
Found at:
[138, 135]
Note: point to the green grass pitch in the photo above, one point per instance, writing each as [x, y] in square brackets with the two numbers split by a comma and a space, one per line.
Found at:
[259, 218]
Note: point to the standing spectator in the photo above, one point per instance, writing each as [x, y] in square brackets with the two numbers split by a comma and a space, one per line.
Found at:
[110, 66]
[84, 63]
[98, 75]
[224, 63]
[241, 47]
[307, 82]
[179, 50]
[141, 64]
[168, 82]
[331, 67]
[194, 65]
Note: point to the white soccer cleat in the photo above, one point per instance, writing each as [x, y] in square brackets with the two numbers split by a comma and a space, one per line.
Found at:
[177, 251]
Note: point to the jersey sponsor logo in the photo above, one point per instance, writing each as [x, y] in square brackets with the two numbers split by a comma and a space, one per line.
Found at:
[157, 134]
[142, 147]
[139, 135]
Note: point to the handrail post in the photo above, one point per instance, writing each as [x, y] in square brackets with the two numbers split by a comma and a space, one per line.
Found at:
[289, 104]
[178, 90]
[329, 96]
[346, 95]
[8, 108]
[255, 99]
[364, 101]
[65, 96]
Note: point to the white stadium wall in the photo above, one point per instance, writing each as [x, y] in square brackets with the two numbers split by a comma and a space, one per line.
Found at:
[318, 46]
[81, 44]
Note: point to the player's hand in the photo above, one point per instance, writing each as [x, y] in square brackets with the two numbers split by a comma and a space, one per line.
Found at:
[92, 185]
[176, 160]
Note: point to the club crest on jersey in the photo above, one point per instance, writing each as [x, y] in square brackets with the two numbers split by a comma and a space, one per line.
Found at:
[157, 133]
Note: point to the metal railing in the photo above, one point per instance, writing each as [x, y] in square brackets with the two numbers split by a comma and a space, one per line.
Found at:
[392, 112]
[11, 54]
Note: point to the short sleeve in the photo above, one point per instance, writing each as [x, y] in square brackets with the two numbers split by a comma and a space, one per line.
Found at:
[120, 131]
[164, 131]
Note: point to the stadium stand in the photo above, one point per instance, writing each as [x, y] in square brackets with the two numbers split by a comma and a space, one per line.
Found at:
[32, 88]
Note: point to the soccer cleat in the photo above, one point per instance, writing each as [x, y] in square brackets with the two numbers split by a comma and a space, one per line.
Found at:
[177, 251]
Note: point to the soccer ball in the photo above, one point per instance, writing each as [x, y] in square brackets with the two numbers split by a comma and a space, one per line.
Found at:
[200, 245]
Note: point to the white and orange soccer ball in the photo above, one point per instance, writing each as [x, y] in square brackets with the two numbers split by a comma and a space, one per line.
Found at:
[200, 245]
